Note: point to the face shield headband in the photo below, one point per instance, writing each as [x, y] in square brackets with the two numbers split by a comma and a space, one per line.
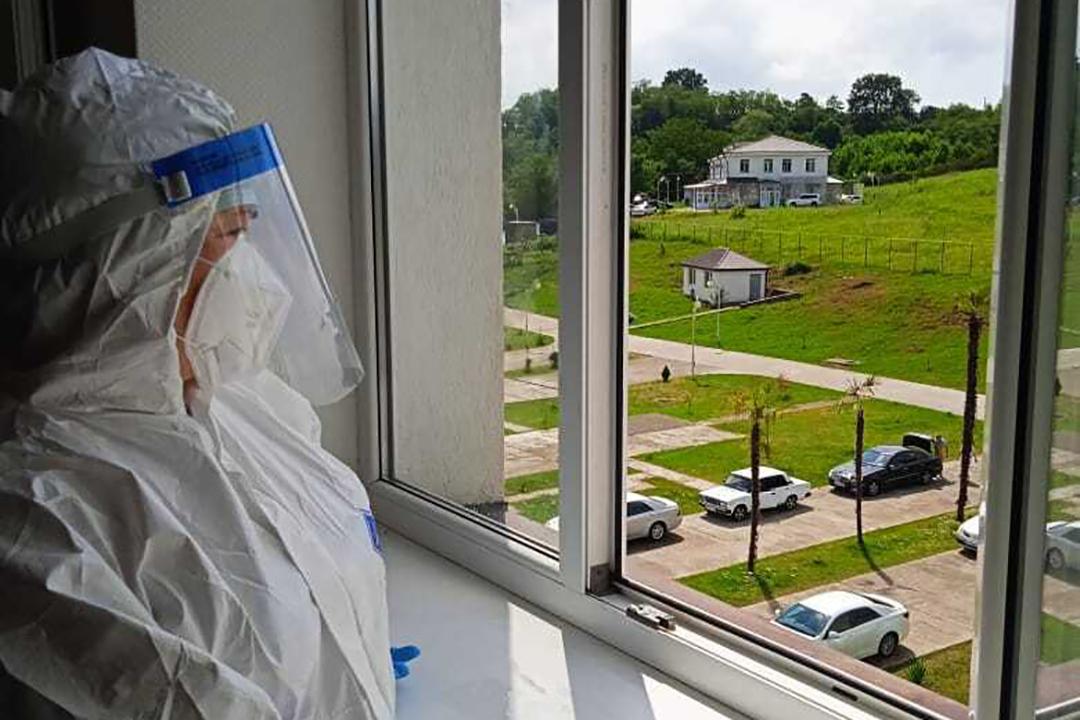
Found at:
[244, 324]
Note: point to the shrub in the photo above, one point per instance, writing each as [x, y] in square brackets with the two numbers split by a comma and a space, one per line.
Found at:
[916, 671]
[665, 374]
[553, 358]
[797, 268]
[636, 231]
[528, 365]
[738, 212]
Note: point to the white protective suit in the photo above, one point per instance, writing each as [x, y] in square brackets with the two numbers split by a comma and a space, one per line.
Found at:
[155, 561]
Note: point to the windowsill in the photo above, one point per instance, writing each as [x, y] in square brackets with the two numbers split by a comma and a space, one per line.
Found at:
[488, 654]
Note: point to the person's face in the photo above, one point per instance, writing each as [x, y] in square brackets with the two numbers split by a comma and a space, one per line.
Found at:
[225, 229]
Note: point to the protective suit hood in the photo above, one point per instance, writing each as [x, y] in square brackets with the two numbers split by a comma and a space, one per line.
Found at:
[90, 284]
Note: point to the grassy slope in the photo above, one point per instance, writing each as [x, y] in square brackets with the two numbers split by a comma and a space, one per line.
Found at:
[530, 483]
[828, 562]
[900, 325]
[684, 495]
[809, 443]
[703, 398]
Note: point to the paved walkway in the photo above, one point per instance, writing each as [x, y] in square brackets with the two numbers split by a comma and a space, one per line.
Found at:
[713, 360]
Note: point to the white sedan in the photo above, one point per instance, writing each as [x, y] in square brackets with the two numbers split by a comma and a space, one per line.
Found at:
[1062, 541]
[646, 517]
[856, 624]
[778, 490]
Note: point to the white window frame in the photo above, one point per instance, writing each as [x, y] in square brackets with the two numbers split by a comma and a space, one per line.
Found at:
[577, 584]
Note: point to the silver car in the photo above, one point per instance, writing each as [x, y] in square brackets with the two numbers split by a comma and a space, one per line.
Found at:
[646, 517]
[1063, 545]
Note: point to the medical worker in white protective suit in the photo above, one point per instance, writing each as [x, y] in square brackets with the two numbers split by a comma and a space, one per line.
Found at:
[174, 541]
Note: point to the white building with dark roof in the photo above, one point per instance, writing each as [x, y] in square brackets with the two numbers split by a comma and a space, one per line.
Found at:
[724, 277]
[765, 173]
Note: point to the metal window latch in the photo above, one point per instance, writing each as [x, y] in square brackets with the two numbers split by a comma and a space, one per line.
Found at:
[648, 615]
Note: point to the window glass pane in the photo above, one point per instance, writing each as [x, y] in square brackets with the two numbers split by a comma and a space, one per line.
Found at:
[1058, 678]
[473, 254]
[859, 256]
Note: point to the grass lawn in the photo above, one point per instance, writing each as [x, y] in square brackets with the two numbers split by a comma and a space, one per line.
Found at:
[1059, 479]
[826, 563]
[1061, 510]
[714, 396]
[703, 398]
[539, 509]
[809, 443]
[684, 495]
[540, 366]
[536, 414]
[531, 483]
[516, 339]
[948, 671]
[895, 323]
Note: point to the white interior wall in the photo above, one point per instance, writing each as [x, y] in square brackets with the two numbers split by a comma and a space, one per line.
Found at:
[282, 62]
[444, 196]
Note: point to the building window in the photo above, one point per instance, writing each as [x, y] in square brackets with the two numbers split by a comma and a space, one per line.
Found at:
[785, 165]
[744, 166]
[810, 164]
[768, 165]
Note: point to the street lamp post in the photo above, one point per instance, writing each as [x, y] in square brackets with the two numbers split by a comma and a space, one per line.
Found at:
[528, 308]
[661, 179]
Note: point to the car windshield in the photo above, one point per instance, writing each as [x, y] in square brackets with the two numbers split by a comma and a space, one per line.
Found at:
[873, 457]
[802, 619]
[738, 482]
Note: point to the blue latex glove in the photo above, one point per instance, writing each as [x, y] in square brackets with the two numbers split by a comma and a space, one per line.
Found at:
[400, 657]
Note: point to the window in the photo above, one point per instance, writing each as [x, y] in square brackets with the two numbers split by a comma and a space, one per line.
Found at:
[810, 163]
[744, 165]
[489, 446]
[844, 622]
[768, 165]
[636, 508]
[609, 282]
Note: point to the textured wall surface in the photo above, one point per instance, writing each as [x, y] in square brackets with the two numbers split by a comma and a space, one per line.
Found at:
[444, 193]
[282, 62]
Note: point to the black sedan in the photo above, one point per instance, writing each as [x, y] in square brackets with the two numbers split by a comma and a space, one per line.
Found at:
[888, 466]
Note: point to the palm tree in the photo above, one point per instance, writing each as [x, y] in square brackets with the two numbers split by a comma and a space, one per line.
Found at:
[972, 312]
[857, 391]
[756, 405]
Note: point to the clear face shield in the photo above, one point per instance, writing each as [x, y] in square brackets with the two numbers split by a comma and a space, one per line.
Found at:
[262, 300]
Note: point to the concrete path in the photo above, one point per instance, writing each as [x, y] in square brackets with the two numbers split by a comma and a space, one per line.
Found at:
[708, 542]
[538, 451]
[713, 360]
[530, 387]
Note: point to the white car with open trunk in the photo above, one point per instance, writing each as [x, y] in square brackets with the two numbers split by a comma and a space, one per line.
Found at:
[855, 623]
[778, 490]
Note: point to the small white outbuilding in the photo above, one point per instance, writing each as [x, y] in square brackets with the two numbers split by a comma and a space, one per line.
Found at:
[724, 277]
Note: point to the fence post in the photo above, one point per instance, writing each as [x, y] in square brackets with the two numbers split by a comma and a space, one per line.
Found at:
[890, 253]
[915, 257]
[725, 236]
[971, 256]
[941, 262]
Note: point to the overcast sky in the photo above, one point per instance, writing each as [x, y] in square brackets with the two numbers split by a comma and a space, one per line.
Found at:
[946, 50]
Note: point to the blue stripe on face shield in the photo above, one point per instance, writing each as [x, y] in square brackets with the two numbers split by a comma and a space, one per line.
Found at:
[217, 164]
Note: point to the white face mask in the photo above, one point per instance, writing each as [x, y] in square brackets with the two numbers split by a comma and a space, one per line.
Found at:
[236, 319]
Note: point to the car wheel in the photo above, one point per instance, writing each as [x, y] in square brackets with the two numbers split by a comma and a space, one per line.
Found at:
[791, 502]
[657, 531]
[814, 204]
[927, 478]
[740, 512]
[888, 644]
[1055, 560]
[872, 488]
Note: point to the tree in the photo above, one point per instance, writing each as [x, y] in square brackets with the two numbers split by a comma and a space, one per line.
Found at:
[828, 133]
[756, 406]
[857, 391]
[754, 125]
[688, 78]
[532, 188]
[684, 146]
[972, 312]
[805, 114]
[880, 101]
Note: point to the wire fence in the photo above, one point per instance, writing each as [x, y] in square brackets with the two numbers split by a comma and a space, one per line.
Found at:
[782, 247]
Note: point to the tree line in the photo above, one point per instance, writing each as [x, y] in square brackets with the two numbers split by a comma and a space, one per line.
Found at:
[880, 133]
